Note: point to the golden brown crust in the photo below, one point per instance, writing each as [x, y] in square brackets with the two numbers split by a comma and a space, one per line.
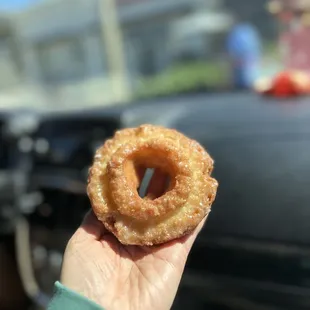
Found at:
[114, 178]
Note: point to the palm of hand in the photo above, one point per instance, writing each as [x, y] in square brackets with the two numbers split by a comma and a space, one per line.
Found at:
[115, 276]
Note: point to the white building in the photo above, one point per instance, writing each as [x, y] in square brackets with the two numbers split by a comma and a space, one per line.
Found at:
[13, 91]
[10, 62]
[69, 51]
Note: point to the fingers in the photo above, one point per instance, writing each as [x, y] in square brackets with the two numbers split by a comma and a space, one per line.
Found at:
[91, 228]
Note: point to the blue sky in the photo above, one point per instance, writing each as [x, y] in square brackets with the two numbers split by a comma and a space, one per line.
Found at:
[15, 4]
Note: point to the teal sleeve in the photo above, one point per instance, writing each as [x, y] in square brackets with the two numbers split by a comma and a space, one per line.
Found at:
[65, 299]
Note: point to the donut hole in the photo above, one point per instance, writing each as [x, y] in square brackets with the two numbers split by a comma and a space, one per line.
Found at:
[154, 184]
[150, 171]
[146, 179]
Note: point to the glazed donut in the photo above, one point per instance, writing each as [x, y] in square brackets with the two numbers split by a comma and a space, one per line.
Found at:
[116, 174]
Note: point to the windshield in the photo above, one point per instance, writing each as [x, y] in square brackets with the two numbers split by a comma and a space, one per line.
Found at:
[75, 53]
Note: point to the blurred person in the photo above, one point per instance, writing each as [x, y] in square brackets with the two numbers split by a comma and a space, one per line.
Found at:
[244, 52]
[99, 272]
[294, 43]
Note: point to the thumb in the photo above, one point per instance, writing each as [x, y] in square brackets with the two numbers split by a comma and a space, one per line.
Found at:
[90, 229]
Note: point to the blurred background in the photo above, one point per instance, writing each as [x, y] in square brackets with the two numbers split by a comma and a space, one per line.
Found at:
[72, 72]
[113, 52]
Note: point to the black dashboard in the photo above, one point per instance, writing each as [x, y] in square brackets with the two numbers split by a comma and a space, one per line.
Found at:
[254, 252]
[70, 141]
[4, 147]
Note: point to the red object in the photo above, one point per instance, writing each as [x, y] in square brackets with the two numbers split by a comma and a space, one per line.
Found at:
[283, 86]
[288, 84]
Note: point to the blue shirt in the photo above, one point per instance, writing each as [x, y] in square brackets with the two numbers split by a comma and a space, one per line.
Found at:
[244, 42]
[244, 49]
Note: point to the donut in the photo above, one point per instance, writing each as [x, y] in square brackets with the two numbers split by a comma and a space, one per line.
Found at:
[116, 173]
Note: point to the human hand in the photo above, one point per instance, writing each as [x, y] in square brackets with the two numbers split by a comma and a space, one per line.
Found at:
[115, 276]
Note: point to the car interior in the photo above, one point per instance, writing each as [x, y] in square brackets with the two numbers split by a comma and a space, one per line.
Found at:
[232, 75]
[253, 252]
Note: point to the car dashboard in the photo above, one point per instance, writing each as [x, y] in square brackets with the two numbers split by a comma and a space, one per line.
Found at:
[254, 252]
